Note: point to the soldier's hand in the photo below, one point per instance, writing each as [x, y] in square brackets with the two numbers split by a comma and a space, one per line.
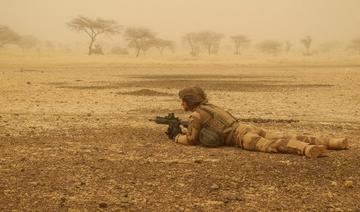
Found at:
[172, 132]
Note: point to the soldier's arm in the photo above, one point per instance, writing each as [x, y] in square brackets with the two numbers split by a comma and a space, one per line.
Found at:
[192, 135]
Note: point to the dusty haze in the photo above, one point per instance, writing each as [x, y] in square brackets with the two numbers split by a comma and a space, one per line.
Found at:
[75, 133]
[258, 19]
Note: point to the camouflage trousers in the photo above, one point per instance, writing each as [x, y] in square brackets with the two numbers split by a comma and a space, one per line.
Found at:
[256, 139]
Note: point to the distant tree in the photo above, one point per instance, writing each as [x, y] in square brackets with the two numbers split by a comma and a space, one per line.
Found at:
[307, 41]
[94, 27]
[193, 41]
[288, 46]
[355, 44]
[210, 41]
[240, 42]
[162, 44]
[8, 36]
[140, 39]
[28, 42]
[270, 47]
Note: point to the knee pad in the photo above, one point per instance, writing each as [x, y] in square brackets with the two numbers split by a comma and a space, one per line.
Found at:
[250, 140]
[243, 129]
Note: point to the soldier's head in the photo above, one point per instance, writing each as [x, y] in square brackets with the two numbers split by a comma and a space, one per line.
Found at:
[191, 97]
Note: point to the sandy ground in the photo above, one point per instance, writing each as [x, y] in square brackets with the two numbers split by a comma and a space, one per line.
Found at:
[75, 135]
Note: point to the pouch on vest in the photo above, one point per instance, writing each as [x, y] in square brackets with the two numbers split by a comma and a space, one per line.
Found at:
[221, 120]
[209, 138]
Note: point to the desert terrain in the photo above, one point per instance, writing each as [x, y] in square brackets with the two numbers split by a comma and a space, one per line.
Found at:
[75, 134]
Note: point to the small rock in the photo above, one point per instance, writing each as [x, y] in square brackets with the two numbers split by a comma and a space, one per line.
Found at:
[103, 205]
[7, 135]
[214, 186]
[214, 203]
[28, 83]
[349, 184]
[34, 183]
[330, 195]
[173, 162]
[179, 208]
[125, 200]
[228, 196]
[181, 184]
[89, 114]
[198, 161]
[62, 201]
[333, 183]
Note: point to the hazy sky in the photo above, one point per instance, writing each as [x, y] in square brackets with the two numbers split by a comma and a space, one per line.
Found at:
[258, 19]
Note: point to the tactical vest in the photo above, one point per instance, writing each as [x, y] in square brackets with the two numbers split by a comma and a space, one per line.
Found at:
[217, 127]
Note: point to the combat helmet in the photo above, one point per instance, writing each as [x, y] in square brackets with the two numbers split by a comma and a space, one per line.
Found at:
[193, 95]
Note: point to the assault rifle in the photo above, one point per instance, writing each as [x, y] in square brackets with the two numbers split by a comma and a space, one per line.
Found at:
[173, 123]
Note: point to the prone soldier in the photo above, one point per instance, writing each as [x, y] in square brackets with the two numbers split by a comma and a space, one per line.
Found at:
[212, 126]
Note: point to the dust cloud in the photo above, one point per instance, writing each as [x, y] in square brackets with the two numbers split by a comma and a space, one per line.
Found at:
[332, 24]
[81, 80]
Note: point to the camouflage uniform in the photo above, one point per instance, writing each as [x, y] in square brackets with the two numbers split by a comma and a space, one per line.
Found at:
[233, 133]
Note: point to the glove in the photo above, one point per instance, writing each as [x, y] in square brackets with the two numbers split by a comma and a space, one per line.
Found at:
[172, 131]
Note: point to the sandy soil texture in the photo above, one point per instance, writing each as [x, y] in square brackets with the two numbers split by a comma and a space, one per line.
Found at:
[75, 136]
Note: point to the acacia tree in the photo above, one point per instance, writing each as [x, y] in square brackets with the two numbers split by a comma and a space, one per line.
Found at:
[141, 39]
[193, 41]
[355, 44]
[307, 41]
[8, 36]
[162, 44]
[210, 41]
[270, 47]
[240, 41]
[94, 27]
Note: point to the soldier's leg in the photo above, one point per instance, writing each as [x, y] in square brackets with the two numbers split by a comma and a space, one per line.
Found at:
[255, 139]
[330, 143]
[254, 142]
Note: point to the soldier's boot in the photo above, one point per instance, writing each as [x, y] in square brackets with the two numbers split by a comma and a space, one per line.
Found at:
[333, 143]
[330, 143]
[294, 146]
